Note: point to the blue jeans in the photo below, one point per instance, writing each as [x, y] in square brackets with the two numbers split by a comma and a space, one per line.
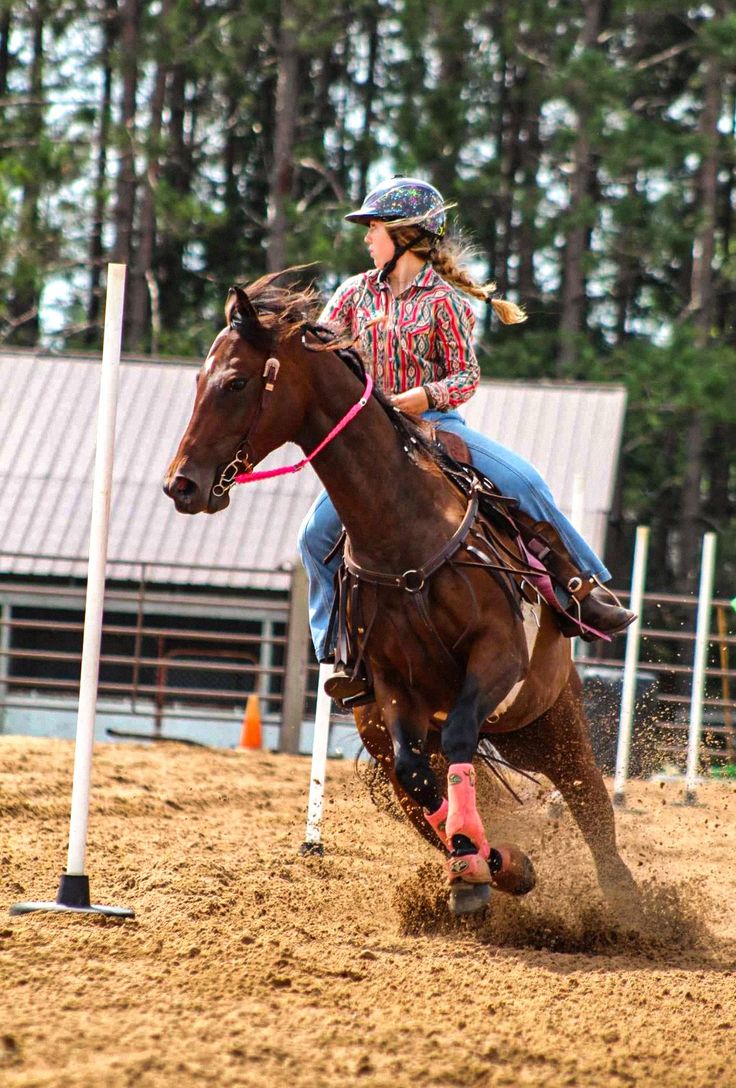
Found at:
[510, 473]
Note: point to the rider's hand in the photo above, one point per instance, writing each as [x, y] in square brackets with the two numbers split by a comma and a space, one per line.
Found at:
[413, 401]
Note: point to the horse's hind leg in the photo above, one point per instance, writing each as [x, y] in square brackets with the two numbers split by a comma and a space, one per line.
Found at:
[558, 745]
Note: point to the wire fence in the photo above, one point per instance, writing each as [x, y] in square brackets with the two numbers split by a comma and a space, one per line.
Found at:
[167, 651]
[194, 652]
[665, 679]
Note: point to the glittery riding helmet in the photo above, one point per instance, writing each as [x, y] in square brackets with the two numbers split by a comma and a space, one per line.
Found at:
[403, 198]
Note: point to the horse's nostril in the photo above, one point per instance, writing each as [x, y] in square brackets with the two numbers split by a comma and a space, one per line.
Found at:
[182, 487]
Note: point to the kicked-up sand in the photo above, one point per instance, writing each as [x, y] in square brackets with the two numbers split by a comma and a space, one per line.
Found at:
[247, 964]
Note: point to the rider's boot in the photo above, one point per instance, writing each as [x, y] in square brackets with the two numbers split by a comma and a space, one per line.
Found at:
[349, 687]
[591, 602]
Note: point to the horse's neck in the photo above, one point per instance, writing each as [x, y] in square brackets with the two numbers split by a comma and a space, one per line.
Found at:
[391, 506]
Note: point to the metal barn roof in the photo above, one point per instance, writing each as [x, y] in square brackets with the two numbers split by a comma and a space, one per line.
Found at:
[47, 440]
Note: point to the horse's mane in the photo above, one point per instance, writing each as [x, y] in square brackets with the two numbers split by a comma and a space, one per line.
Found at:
[284, 310]
[287, 310]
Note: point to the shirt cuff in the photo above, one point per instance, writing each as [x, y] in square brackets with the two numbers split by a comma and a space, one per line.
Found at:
[438, 396]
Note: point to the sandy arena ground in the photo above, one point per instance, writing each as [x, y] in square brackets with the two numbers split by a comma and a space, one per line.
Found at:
[248, 965]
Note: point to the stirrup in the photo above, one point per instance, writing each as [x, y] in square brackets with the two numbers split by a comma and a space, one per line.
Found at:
[348, 691]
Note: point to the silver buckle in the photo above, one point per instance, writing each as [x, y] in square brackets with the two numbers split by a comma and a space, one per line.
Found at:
[271, 372]
[408, 577]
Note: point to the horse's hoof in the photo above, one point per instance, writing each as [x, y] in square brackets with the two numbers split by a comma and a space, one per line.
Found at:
[624, 900]
[511, 870]
[468, 898]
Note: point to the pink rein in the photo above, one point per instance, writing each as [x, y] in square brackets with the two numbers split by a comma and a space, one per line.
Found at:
[248, 477]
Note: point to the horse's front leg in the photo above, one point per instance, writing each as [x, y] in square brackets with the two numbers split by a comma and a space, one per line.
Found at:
[375, 736]
[468, 869]
[406, 722]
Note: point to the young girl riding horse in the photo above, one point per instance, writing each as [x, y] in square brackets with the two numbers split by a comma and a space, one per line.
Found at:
[414, 330]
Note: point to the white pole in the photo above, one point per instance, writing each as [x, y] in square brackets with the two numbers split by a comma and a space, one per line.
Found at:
[702, 633]
[96, 568]
[4, 652]
[631, 662]
[319, 762]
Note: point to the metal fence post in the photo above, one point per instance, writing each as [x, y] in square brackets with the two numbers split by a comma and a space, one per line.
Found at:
[295, 666]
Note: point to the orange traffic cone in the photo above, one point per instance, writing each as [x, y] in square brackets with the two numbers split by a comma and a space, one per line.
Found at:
[251, 735]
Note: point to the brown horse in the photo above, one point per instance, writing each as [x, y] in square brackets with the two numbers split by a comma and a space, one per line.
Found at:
[451, 656]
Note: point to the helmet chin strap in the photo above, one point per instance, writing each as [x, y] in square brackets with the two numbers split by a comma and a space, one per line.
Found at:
[399, 252]
[390, 264]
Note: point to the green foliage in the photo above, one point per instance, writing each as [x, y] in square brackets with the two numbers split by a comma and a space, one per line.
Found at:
[499, 104]
[679, 377]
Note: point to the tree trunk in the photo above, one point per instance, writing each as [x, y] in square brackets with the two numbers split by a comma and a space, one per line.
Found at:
[720, 505]
[368, 88]
[726, 298]
[143, 284]
[507, 162]
[701, 307]
[531, 153]
[27, 282]
[282, 168]
[177, 172]
[130, 13]
[489, 236]
[5, 24]
[453, 45]
[664, 514]
[573, 268]
[230, 162]
[96, 247]
[624, 291]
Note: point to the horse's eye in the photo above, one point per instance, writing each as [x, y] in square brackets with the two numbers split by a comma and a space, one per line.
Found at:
[236, 385]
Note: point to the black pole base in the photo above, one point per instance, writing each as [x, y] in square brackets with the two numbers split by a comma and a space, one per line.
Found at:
[311, 850]
[689, 800]
[73, 897]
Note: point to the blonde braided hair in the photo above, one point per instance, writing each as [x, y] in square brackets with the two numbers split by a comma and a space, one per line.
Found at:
[447, 257]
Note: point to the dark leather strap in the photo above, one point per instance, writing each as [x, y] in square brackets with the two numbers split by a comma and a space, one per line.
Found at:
[336, 547]
[241, 462]
[413, 580]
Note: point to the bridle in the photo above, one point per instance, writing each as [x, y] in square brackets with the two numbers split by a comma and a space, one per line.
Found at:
[241, 462]
[240, 469]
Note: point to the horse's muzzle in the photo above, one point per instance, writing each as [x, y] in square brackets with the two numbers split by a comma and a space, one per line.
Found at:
[193, 497]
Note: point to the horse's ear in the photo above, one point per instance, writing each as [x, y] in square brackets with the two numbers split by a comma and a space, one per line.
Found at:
[240, 313]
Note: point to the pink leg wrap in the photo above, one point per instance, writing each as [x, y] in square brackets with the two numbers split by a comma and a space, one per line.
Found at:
[437, 820]
[462, 817]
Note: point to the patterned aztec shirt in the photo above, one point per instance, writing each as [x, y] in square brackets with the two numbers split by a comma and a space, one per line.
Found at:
[424, 337]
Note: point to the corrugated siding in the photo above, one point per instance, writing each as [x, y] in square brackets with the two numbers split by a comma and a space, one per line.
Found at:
[47, 438]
